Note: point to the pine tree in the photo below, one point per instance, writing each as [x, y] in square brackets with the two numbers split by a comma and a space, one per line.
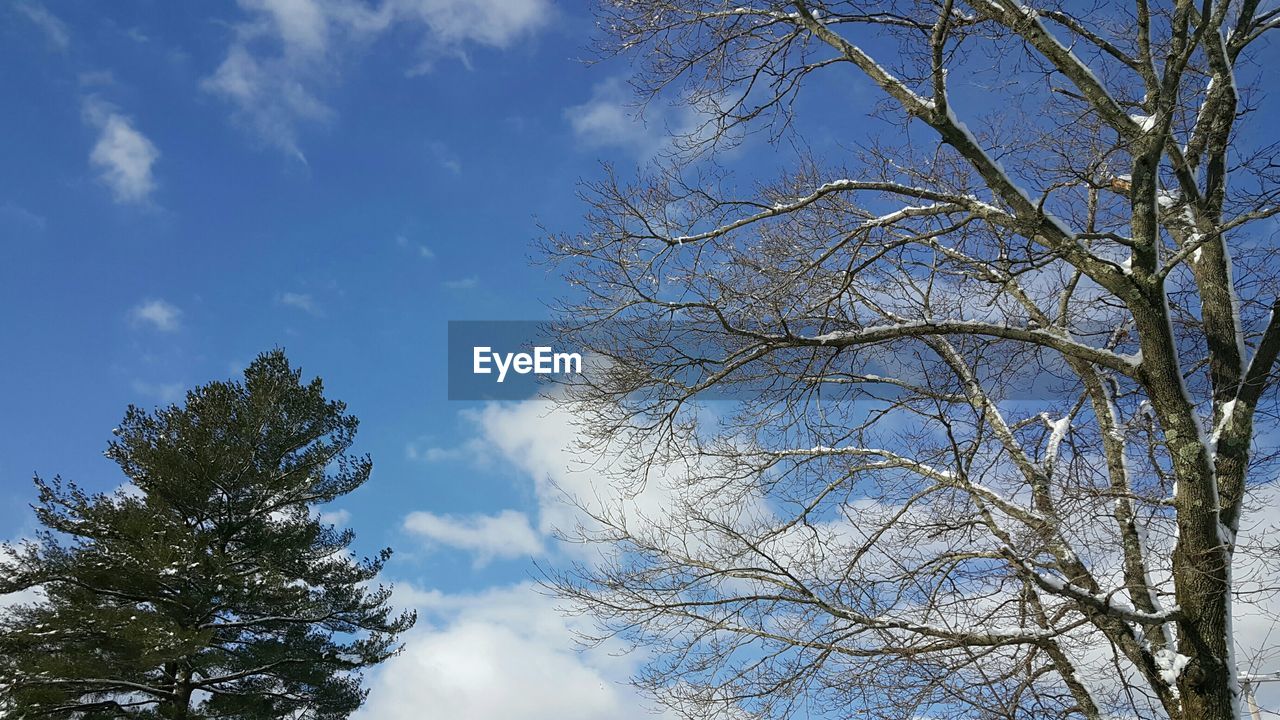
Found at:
[207, 586]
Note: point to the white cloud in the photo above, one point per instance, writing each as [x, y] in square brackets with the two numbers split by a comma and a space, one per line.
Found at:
[465, 283]
[502, 654]
[419, 451]
[96, 78]
[543, 441]
[423, 251]
[450, 25]
[300, 301]
[1257, 612]
[19, 220]
[129, 489]
[136, 35]
[159, 314]
[269, 102]
[123, 156]
[335, 517]
[612, 118]
[29, 596]
[538, 438]
[53, 28]
[286, 51]
[445, 157]
[609, 119]
[160, 392]
[507, 534]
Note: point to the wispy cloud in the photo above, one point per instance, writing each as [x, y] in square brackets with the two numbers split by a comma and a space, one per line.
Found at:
[20, 220]
[445, 157]
[422, 450]
[28, 596]
[158, 314]
[421, 250]
[268, 103]
[464, 283]
[542, 441]
[514, 638]
[612, 118]
[285, 52]
[301, 301]
[135, 34]
[507, 534]
[161, 392]
[432, 454]
[96, 78]
[122, 155]
[335, 517]
[608, 118]
[54, 29]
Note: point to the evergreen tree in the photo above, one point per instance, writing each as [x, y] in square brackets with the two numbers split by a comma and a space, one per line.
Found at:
[207, 587]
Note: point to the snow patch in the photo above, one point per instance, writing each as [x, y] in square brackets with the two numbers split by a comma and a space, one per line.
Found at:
[1146, 122]
[1171, 665]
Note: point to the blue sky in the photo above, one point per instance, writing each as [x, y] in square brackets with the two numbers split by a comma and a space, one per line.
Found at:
[187, 185]
[186, 188]
[162, 231]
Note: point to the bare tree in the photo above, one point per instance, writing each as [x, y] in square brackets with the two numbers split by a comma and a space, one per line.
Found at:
[999, 384]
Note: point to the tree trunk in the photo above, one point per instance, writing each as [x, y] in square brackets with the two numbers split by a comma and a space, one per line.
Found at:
[178, 708]
[1202, 557]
